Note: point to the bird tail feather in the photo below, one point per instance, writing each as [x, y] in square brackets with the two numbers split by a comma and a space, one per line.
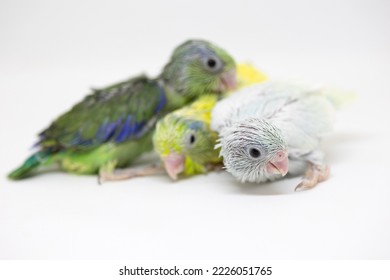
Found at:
[29, 165]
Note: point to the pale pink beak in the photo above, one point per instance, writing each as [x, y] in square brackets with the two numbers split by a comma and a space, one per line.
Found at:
[279, 164]
[174, 165]
[228, 80]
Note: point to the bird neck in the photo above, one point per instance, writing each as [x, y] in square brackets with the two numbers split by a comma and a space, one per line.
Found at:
[175, 100]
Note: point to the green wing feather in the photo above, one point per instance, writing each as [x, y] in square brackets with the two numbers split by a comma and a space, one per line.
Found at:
[117, 113]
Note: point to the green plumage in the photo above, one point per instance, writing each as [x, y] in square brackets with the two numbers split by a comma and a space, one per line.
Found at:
[186, 133]
[114, 125]
[30, 163]
[137, 97]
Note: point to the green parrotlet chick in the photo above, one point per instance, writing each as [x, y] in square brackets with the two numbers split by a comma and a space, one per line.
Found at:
[113, 126]
[275, 128]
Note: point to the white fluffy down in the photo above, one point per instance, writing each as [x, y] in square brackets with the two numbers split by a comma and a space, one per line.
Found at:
[237, 141]
[302, 113]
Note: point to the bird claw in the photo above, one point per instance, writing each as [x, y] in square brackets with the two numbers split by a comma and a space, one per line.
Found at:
[104, 176]
[314, 175]
[106, 172]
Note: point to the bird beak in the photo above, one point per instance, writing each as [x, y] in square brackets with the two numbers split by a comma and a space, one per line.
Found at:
[174, 164]
[279, 164]
[228, 80]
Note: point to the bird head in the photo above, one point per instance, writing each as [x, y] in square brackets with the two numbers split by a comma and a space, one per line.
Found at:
[184, 143]
[254, 150]
[197, 67]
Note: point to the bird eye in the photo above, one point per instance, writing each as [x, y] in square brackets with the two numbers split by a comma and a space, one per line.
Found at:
[254, 153]
[212, 64]
[191, 139]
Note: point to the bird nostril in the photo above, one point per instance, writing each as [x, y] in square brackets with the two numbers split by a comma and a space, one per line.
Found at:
[281, 155]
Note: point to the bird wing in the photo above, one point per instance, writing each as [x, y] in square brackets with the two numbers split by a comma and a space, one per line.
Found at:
[114, 114]
[300, 111]
[260, 100]
[305, 122]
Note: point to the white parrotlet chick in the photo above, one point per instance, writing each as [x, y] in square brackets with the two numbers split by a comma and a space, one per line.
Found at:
[275, 128]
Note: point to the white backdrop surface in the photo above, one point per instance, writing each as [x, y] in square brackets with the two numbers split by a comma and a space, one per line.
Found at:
[51, 52]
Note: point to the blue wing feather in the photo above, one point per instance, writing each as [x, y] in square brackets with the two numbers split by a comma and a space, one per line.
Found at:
[113, 127]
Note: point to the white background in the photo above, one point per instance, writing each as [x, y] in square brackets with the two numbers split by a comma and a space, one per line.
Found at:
[51, 52]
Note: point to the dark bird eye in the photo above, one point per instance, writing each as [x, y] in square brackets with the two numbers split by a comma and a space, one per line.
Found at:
[255, 153]
[211, 63]
[191, 139]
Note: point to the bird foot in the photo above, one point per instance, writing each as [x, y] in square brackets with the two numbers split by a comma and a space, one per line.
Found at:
[128, 173]
[314, 175]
